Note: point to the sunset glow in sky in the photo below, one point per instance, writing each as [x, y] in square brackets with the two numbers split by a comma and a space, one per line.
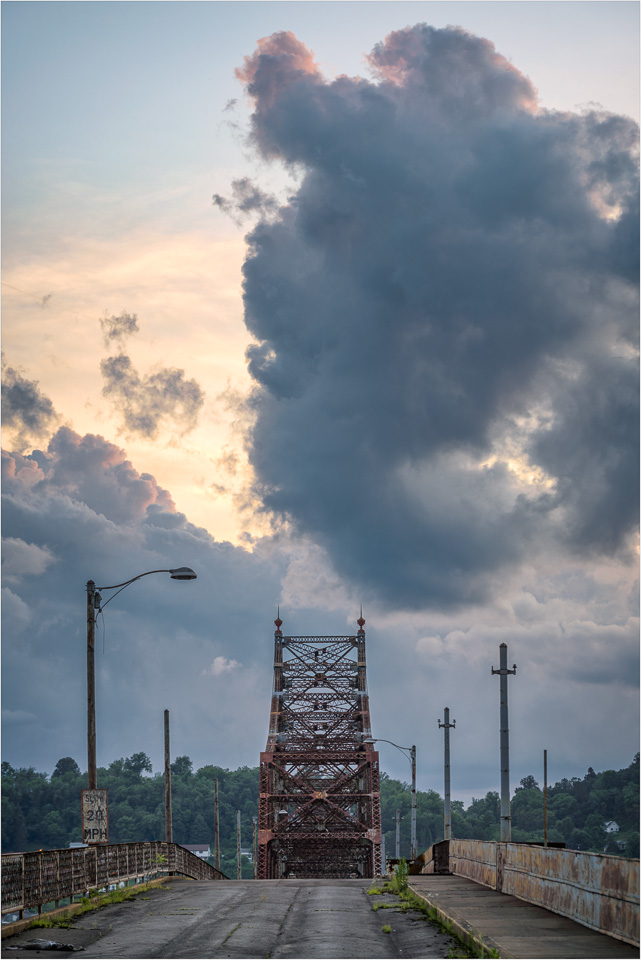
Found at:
[336, 303]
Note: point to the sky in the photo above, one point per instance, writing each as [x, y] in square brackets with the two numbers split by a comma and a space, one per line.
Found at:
[336, 303]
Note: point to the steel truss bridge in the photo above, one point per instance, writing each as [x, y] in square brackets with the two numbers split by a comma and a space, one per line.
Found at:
[319, 811]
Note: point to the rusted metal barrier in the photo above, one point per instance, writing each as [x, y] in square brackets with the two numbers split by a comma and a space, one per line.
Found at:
[436, 859]
[30, 880]
[475, 859]
[594, 889]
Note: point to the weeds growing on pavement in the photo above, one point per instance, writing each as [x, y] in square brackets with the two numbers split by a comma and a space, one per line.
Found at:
[95, 901]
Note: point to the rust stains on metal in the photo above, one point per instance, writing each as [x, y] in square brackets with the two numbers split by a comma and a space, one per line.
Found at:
[319, 805]
[30, 880]
[596, 890]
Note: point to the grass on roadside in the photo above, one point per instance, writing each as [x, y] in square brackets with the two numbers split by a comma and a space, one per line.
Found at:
[398, 885]
[430, 913]
[95, 901]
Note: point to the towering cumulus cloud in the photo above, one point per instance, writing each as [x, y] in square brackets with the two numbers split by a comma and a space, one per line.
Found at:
[444, 314]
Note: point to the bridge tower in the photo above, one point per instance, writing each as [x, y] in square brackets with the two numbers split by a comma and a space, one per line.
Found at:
[319, 812]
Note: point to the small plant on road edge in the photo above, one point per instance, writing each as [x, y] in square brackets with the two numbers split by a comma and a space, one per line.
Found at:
[386, 928]
[398, 883]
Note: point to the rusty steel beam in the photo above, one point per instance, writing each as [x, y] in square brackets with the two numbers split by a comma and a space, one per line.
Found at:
[319, 807]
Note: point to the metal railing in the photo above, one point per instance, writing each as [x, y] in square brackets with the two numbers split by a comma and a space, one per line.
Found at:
[31, 880]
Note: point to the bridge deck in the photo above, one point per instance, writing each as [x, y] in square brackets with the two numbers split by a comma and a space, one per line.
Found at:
[510, 926]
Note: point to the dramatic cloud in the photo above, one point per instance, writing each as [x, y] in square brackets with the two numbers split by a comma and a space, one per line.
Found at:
[24, 408]
[203, 649]
[80, 510]
[118, 328]
[445, 317]
[246, 199]
[86, 469]
[147, 401]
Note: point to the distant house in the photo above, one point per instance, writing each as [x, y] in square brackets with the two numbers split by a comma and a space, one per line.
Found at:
[611, 826]
[249, 853]
[201, 850]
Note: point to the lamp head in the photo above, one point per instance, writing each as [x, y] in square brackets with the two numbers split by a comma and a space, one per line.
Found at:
[182, 573]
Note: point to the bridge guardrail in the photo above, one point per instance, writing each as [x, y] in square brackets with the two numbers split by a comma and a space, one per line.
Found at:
[595, 889]
[30, 880]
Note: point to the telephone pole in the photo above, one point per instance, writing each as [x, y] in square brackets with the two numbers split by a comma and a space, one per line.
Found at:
[545, 798]
[398, 819]
[238, 870]
[447, 809]
[216, 827]
[506, 822]
[168, 823]
[254, 845]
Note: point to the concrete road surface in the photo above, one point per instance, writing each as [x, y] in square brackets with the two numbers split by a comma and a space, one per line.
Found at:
[254, 919]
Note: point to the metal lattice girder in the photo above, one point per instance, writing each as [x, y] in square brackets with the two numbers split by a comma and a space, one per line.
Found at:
[319, 810]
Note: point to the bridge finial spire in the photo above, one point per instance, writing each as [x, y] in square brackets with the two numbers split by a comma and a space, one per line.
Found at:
[278, 622]
[360, 621]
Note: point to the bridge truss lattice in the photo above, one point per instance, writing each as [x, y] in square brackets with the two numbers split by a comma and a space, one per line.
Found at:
[319, 809]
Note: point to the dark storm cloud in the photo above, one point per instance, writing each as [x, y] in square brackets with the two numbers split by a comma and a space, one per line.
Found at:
[147, 401]
[80, 510]
[24, 407]
[117, 329]
[454, 274]
[246, 198]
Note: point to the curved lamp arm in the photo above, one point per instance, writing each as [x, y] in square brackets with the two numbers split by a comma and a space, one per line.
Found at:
[383, 740]
[177, 573]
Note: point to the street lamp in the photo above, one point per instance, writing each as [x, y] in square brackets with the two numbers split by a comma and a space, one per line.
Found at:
[410, 753]
[95, 605]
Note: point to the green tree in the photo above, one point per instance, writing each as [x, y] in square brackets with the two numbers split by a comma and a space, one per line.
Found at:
[182, 767]
[65, 766]
[136, 763]
[528, 783]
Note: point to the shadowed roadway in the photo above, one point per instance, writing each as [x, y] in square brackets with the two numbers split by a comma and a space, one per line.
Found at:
[253, 919]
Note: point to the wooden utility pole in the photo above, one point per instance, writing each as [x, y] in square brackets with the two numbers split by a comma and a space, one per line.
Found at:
[254, 847]
[216, 827]
[91, 686]
[238, 872]
[168, 823]
[545, 798]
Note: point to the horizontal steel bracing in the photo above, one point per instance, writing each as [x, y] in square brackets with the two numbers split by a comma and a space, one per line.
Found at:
[319, 810]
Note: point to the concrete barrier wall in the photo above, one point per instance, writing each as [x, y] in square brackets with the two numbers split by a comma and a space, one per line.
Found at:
[599, 891]
[475, 859]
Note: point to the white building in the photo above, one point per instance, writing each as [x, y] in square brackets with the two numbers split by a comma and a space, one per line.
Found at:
[201, 850]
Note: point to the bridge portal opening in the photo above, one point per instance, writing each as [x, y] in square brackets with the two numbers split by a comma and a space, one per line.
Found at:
[319, 811]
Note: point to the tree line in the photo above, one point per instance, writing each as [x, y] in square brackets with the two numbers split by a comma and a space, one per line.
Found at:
[42, 812]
